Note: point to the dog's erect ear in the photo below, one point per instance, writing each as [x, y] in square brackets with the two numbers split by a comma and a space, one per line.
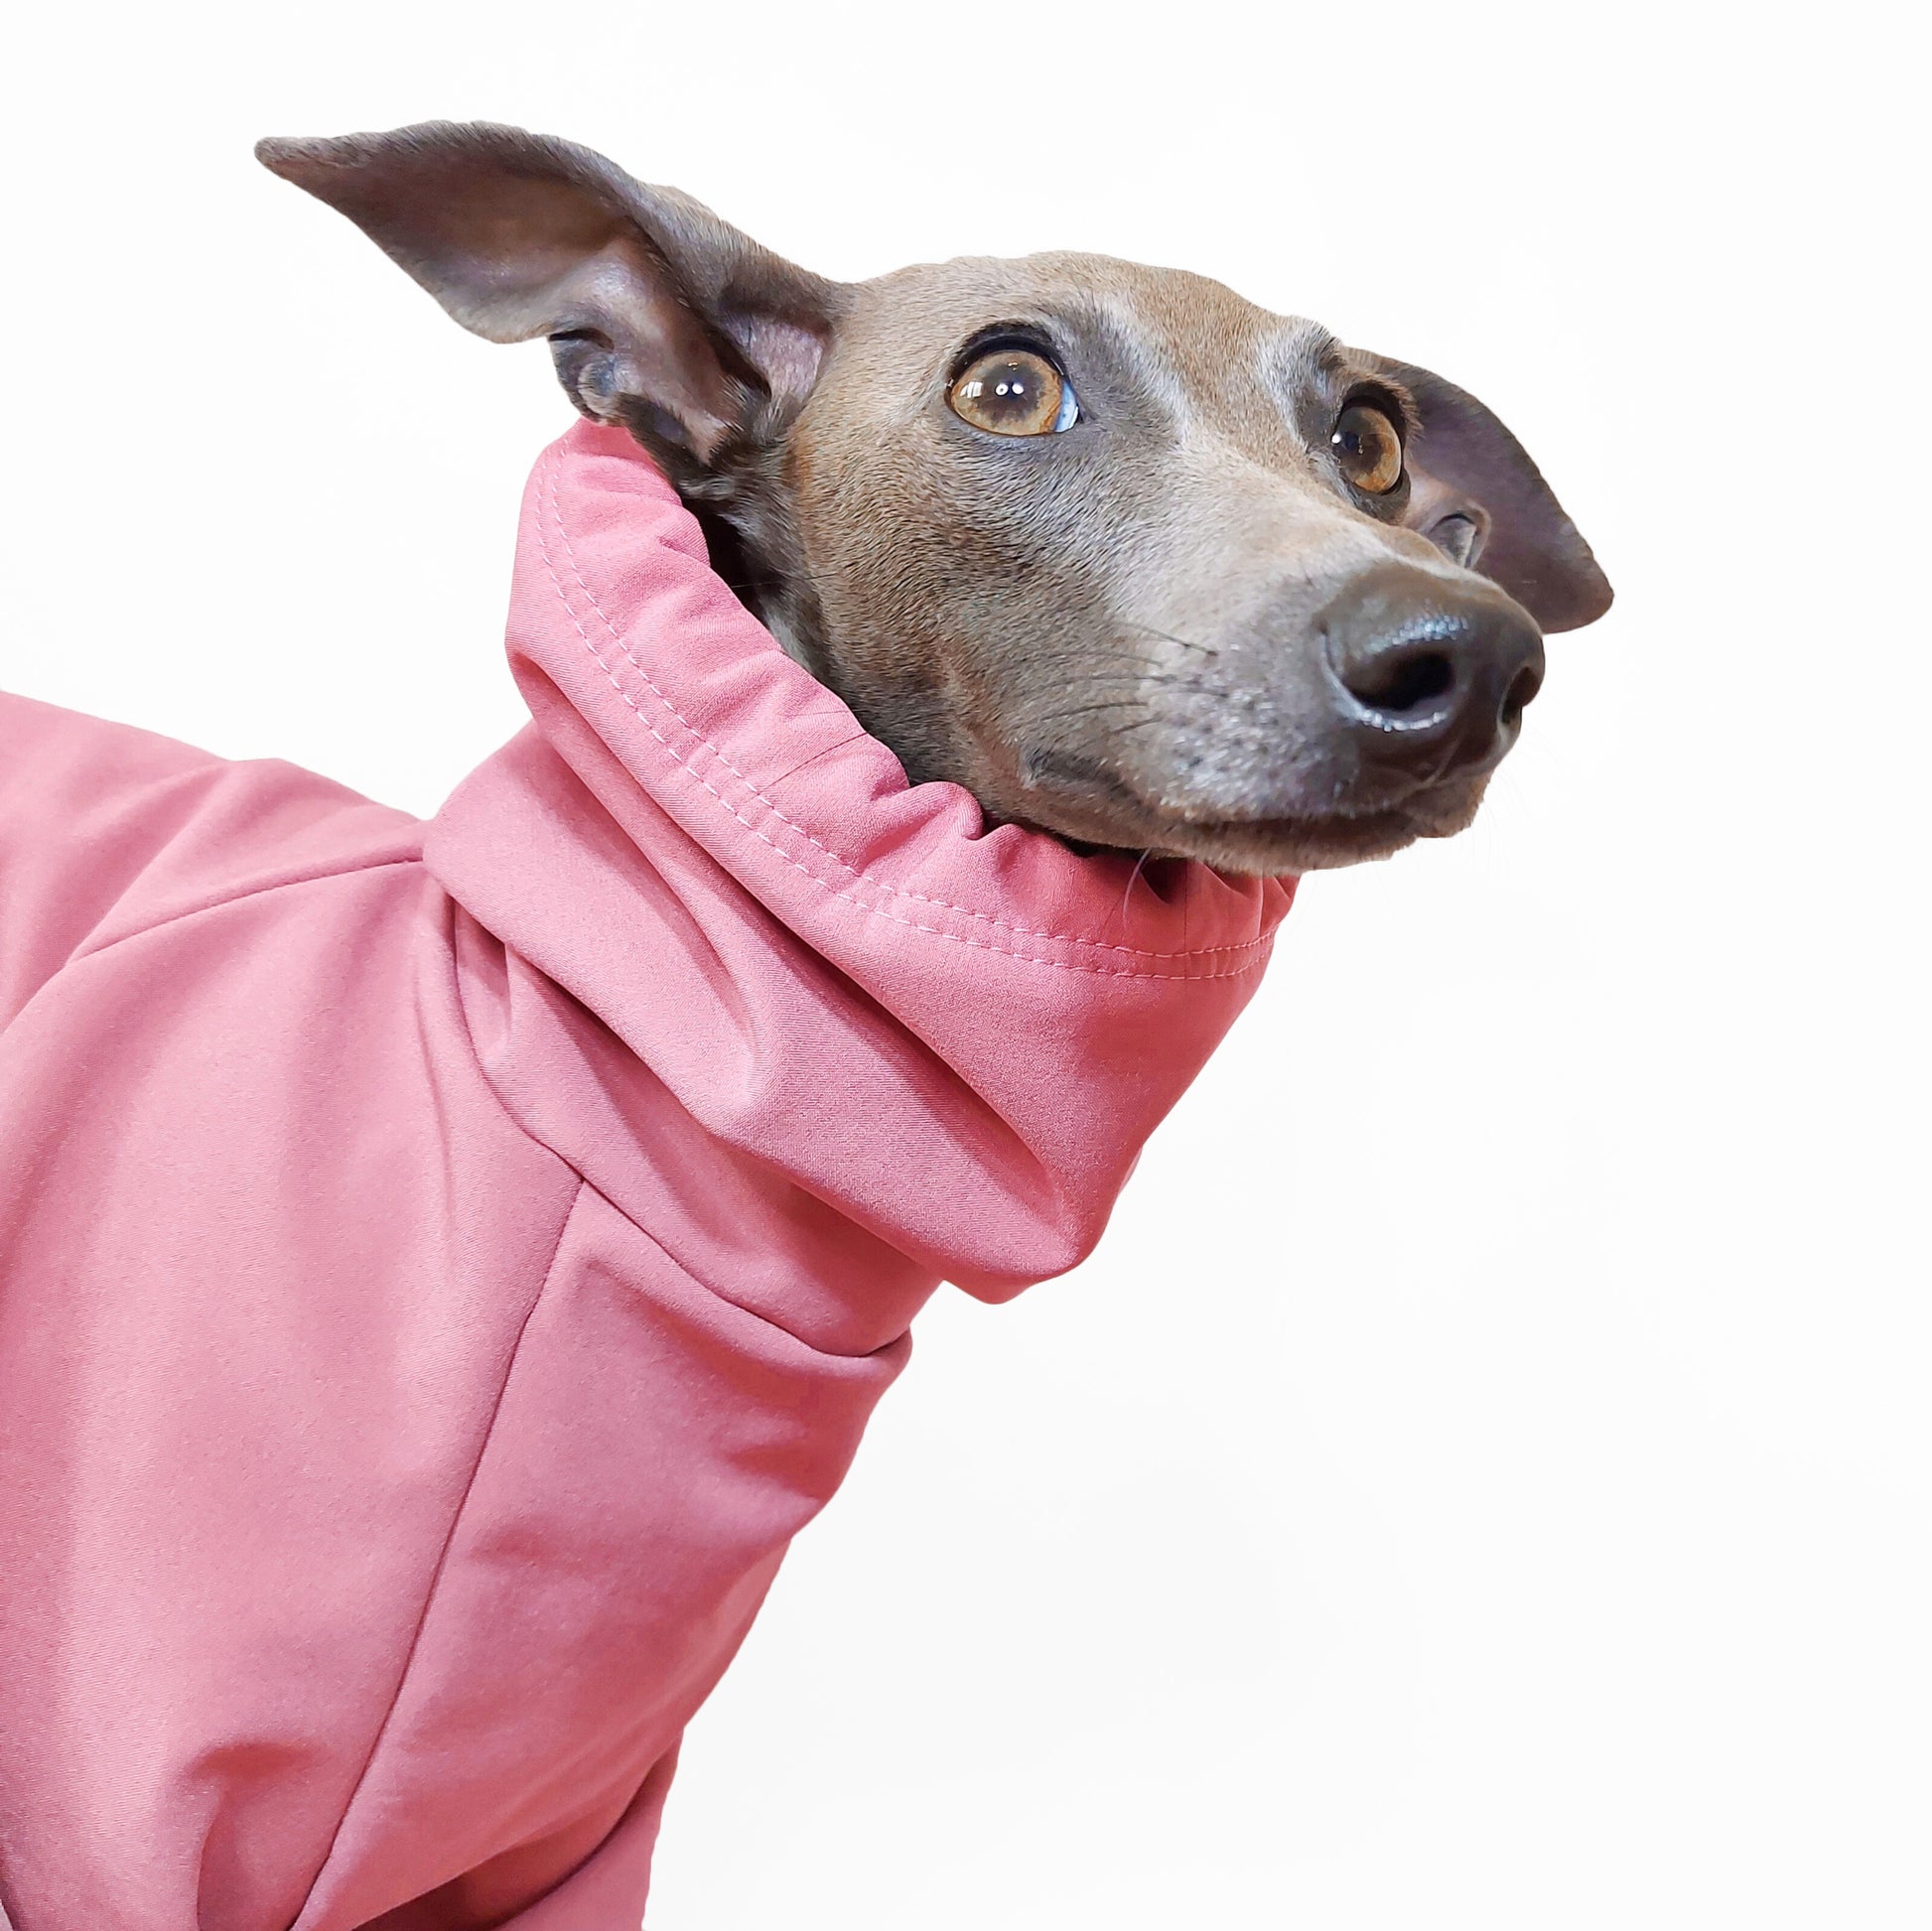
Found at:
[1474, 492]
[661, 317]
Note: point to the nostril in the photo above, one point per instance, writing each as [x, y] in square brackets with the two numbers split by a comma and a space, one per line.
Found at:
[1402, 681]
[1417, 681]
[1522, 687]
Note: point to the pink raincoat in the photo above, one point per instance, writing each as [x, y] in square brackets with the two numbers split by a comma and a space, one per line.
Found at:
[442, 1266]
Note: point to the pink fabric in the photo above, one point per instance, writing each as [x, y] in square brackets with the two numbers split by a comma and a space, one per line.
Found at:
[442, 1266]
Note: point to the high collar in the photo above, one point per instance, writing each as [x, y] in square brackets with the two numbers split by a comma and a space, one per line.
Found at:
[956, 1037]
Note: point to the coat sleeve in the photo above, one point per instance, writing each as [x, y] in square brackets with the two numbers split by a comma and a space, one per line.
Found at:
[107, 831]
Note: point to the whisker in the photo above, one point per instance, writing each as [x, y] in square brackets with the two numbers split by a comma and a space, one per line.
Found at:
[1089, 710]
[1092, 683]
[1166, 636]
[1166, 679]
[1181, 684]
[1108, 647]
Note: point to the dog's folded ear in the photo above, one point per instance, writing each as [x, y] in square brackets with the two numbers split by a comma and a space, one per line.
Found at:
[661, 317]
[1474, 492]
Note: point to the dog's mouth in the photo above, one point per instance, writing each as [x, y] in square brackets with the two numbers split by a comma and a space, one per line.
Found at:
[1091, 807]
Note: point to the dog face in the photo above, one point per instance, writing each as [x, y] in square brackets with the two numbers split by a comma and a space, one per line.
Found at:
[1135, 561]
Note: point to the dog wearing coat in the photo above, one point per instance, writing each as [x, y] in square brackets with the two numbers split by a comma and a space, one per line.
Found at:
[442, 1265]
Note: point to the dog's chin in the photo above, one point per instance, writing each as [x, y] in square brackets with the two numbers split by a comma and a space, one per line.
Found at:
[1273, 847]
[1258, 846]
[1276, 846]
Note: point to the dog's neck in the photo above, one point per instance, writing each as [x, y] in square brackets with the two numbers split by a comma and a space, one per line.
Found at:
[739, 505]
[751, 535]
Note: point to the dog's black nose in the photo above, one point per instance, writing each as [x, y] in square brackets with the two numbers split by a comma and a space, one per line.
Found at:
[1429, 670]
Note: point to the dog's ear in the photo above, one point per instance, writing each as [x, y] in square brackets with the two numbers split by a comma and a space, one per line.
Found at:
[1475, 493]
[660, 316]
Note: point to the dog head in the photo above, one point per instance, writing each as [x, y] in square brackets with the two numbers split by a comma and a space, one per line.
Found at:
[1133, 559]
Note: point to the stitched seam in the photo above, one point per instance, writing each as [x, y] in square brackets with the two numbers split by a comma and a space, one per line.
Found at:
[1250, 946]
[448, 1542]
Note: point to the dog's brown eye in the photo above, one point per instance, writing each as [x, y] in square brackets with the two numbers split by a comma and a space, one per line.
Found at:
[1013, 392]
[1367, 449]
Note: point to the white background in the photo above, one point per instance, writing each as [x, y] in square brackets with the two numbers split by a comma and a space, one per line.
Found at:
[1483, 1479]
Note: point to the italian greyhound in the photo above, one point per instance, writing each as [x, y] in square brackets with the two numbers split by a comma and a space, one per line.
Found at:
[449, 1262]
[1136, 562]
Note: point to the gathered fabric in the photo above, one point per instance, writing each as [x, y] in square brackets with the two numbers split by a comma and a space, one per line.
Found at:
[443, 1264]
